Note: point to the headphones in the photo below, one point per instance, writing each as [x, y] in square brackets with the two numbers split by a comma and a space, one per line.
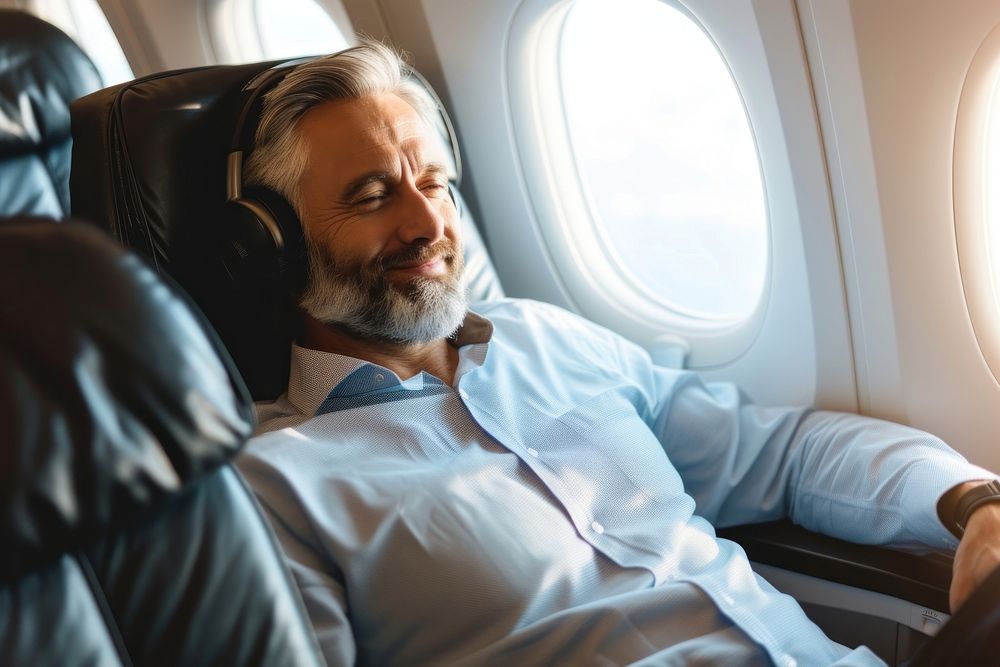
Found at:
[264, 239]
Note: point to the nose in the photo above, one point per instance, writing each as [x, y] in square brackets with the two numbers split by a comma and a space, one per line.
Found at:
[423, 222]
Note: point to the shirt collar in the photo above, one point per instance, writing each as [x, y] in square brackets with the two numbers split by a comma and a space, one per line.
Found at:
[314, 373]
[475, 329]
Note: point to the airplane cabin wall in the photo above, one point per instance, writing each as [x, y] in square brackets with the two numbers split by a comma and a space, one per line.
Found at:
[889, 77]
[886, 79]
[854, 105]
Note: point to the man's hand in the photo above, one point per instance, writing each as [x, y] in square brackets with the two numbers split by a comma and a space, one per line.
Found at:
[978, 553]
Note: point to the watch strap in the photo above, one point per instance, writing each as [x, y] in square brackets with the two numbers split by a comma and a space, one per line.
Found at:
[988, 492]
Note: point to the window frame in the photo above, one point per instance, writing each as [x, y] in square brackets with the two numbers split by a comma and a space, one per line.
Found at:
[980, 90]
[594, 284]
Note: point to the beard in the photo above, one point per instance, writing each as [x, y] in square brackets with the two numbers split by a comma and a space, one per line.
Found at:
[359, 297]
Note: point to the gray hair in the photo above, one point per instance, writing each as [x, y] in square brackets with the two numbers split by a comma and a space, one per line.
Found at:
[371, 68]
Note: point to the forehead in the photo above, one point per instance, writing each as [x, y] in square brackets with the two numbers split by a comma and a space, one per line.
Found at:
[360, 131]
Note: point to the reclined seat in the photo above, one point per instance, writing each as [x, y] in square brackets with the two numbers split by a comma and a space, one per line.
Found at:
[150, 156]
[150, 159]
[127, 537]
[41, 72]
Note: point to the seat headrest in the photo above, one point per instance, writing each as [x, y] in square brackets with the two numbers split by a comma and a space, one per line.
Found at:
[113, 395]
[41, 72]
[149, 159]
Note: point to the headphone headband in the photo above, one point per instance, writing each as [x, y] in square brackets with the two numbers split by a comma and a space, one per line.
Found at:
[254, 90]
[246, 124]
[263, 224]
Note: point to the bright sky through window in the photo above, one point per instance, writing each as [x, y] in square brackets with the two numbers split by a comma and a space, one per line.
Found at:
[290, 28]
[666, 155]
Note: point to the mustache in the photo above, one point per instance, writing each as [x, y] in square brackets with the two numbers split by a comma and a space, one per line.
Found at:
[373, 271]
[445, 249]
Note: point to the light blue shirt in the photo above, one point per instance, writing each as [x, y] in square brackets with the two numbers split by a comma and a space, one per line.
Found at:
[556, 505]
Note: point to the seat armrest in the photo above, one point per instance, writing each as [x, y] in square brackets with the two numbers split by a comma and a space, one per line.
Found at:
[921, 579]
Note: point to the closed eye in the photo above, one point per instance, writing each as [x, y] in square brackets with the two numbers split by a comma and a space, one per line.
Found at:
[370, 201]
[435, 188]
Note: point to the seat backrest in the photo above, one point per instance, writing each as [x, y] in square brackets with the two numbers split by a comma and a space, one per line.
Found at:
[127, 537]
[41, 72]
[150, 158]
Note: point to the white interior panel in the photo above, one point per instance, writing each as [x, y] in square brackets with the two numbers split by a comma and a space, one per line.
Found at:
[892, 75]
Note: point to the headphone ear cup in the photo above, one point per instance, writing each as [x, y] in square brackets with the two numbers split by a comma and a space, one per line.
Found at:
[264, 242]
[249, 249]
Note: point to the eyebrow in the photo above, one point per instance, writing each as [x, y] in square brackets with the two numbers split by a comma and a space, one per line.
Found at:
[435, 169]
[354, 188]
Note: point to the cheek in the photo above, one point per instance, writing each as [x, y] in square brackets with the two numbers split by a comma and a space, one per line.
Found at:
[453, 231]
[352, 242]
[452, 223]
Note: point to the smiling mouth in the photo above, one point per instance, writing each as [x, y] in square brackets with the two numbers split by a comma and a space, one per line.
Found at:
[435, 266]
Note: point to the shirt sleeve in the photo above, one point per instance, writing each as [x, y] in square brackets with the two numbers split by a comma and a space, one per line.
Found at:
[317, 576]
[852, 477]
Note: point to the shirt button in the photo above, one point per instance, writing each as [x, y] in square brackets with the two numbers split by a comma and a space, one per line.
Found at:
[597, 528]
[380, 378]
[533, 452]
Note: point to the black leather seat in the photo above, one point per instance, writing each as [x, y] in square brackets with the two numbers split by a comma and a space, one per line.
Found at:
[127, 537]
[150, 159]
[41, 72]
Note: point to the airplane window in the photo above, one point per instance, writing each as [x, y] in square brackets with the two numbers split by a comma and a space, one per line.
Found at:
[84, 21]
[666, 156]
[291, 28]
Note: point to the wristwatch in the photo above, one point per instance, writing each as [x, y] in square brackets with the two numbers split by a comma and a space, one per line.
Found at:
[956, 518]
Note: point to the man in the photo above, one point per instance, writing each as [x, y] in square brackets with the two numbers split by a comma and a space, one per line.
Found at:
[511, 484]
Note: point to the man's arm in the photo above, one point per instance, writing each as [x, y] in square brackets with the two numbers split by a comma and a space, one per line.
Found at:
[978, 552]
[852, 477]
[847, 476]
[326, 604]
[317, 576]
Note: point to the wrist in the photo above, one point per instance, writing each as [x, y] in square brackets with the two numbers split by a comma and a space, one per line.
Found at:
[985, 516]
[958, 505]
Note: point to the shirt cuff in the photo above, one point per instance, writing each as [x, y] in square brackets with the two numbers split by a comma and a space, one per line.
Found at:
[928, 481]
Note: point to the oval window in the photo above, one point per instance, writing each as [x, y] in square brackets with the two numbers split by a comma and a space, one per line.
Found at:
[666, 156]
